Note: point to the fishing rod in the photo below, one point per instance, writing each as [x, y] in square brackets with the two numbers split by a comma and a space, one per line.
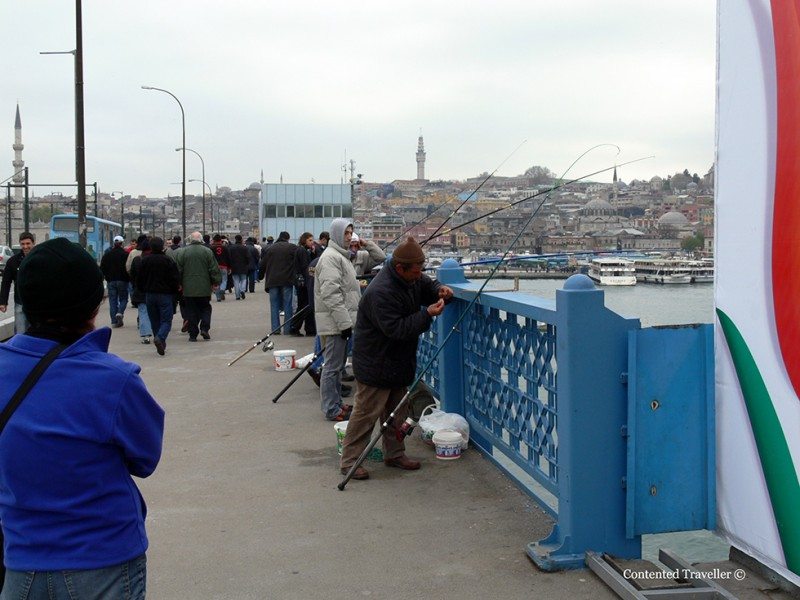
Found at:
[385, 425]
[434, 211]
[296, 377]
[539, 193]
[269, 345]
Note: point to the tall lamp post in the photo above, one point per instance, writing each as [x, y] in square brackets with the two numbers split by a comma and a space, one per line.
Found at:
[80, 150]
[210, 198]
[121, 210]
[203, 164]
[183, 146]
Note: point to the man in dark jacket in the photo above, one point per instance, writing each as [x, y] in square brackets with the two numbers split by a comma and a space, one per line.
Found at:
[277, 268]
[252, 270]
[113, 267]
[26, 244]
[240, 265]
[390, 320]
[159, 278]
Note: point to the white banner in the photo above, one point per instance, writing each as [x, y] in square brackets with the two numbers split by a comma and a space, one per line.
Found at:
[757, 290]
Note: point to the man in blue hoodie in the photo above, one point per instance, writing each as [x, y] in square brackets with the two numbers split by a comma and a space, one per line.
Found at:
[72, 516]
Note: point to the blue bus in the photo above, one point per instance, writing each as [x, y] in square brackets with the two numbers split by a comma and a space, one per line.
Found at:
[99, 232]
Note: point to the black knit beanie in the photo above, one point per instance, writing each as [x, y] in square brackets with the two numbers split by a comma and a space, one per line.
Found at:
[59, 279]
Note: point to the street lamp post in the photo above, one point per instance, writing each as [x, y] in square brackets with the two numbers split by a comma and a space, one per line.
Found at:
[183, 146]
[80, 150]
[203, 164]
[121, 210]
[210, 197]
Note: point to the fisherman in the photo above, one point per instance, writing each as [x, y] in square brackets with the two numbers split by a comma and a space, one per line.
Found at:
[365, 255]
[336, 297]
[387, 332]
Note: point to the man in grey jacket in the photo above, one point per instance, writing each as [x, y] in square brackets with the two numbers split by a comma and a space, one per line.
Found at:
[336, 297]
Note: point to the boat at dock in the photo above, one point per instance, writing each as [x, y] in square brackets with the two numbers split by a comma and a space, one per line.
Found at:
[670, 271]
[612, 271]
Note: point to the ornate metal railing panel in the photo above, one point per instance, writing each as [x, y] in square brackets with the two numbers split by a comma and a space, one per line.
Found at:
[510, 387]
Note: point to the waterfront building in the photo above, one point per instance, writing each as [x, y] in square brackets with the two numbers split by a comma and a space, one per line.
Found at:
[300, 207]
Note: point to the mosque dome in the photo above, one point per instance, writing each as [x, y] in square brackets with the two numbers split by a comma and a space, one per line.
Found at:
[597, 207]
[673, 219]
[254, 186]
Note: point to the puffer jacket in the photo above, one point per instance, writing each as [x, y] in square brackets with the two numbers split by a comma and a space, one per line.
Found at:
[336, 289]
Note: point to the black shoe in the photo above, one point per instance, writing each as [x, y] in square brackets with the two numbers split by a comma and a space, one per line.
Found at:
[296, 334]
[347, 391]
[205, 335]
[160, 346]
[315, 375]
[242, 295]
[185, 327]
[348, 378]
[192, 339]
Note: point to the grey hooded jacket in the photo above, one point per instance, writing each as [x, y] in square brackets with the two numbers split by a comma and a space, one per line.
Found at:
[336, 289]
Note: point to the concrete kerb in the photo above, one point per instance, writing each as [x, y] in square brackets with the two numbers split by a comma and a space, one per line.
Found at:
[244, 503]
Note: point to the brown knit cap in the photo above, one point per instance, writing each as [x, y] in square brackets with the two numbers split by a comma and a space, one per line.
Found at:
[409, 252]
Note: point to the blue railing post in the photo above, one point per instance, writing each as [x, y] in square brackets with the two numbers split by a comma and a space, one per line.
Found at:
[592, 345]
[451, 364]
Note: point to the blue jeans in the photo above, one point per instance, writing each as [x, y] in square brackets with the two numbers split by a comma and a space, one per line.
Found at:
[239, 284]
[145, 328]
[20, 320]
[223, 284]
[330, 385]
[160, 308]
[117, 298]
[318, 351]
[280, 299]
[126, 581]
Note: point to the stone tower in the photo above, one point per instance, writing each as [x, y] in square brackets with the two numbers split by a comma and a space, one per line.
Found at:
[420, 158]
[18, 163]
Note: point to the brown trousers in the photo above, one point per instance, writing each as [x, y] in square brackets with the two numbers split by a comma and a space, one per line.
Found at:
[371, 404]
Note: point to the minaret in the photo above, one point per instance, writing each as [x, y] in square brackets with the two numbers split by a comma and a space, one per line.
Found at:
[18, 163]
[420, 158]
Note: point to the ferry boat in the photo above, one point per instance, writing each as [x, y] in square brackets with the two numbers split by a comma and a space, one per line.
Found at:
[612, 271]
[664, 271]
[701, 271]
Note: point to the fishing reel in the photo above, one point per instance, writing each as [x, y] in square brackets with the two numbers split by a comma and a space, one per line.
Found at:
[267, 346]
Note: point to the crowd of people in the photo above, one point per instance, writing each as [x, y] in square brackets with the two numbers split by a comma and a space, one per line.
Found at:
[326, 287]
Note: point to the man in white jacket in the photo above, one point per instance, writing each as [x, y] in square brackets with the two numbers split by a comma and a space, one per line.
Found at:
[336, 297]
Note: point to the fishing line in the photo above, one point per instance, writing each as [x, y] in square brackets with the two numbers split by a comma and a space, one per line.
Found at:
[537, 194]
[385, 425]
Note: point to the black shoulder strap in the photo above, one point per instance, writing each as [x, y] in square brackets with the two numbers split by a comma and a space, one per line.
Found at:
[29, 382]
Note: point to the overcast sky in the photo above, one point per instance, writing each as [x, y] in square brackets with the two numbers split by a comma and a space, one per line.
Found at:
[289, 87]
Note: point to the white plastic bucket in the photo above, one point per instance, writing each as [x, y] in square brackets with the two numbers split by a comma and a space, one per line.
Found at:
[340, 428]
[284, 359]
[448, 444]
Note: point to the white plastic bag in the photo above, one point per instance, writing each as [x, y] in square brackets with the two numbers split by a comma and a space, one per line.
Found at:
[433, 420]
[300, 363]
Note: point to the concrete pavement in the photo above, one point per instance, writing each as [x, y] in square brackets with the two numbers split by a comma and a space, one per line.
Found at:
[244, 503]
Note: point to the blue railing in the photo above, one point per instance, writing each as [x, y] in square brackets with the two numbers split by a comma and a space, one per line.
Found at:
[540, 383]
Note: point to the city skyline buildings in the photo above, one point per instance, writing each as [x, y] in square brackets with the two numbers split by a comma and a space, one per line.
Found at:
[311, 79]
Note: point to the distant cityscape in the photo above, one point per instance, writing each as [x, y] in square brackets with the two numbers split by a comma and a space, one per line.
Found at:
[670, 213]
